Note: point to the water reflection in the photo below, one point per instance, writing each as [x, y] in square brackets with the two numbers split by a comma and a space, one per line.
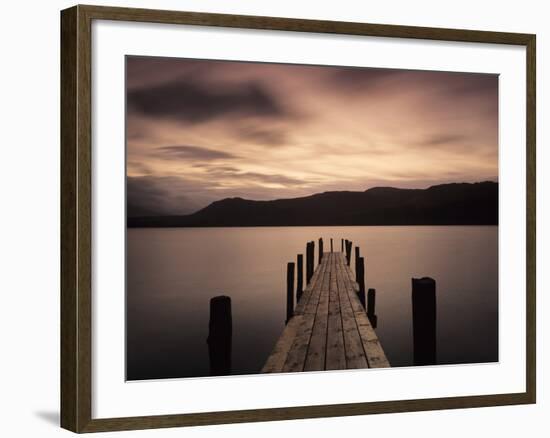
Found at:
[172, 274]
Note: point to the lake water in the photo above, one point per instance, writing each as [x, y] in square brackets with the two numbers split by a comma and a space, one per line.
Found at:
[173, 272]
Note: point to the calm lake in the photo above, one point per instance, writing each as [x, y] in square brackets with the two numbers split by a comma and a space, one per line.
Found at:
[173, 272]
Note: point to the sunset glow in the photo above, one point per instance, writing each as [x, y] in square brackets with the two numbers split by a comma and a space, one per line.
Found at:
[199, 131]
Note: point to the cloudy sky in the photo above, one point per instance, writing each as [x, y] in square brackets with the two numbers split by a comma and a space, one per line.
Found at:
[199, 131]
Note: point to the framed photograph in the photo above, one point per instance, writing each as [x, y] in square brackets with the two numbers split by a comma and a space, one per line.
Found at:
[269, 218]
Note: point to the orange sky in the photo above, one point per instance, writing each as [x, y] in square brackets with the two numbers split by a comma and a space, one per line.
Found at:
[199, 131]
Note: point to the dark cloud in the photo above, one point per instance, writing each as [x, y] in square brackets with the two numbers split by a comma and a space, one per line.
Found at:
[168, 195]
[354, 78]
[145, 71]
[271, 178]
[189, 152]
[452, 84]
[165, 196]
[149, 195]
[192, 99]
[445, 139]
[250, 177]
[464, 85]
[270, 137]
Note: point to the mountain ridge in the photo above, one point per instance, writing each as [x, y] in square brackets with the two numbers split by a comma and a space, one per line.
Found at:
[443, 204]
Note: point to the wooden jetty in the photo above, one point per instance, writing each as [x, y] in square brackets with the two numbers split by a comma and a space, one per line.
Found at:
[328, 329]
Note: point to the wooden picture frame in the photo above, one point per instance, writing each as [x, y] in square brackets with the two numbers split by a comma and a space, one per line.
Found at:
[76, 260]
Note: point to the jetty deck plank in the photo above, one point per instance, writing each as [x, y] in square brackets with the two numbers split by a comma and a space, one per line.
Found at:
[296, 357]
[330, 329]
[336, 355]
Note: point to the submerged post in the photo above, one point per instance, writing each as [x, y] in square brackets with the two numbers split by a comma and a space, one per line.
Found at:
[299, 277]
[219, 336]
[371, 307]
[289, 290]
[312, 267]
[424, 320]
[310, 252]
[361, 279]
[320, 250]
[371, 302]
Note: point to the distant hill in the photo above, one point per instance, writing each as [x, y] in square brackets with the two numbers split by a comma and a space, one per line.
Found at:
[446, 204]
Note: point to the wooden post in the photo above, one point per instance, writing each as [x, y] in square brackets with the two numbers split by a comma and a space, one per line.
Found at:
[331, 249]
[371, 307]
[342, 246]
[346, 244]
[357, 264]
[219, 336]
[309, 261]
[312, 268]
[299, 277]
[361, 279]
[371, 302]
[320, 250]
[348, 251]
[289, 290]
[424, 320]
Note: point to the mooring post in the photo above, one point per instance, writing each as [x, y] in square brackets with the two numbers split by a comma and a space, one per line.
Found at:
[361, 280]
[289, 290]
[320, 250]
[424, 320]
[331, 249]
[308, 260]
[371, 302]
[312, 267]
[371, 311]
[219, 336]
[299, 276]
[357, 264]
[310, 251]
[348, 251]
[346, 244]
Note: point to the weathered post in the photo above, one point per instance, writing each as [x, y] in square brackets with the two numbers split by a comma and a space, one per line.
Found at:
[348, 251]
[219, 336]
[424, 320]
[371, 302]
[357, 264]
[331, 249]
[289, 290]
[360, 274]
[312, 267]
[346, 244]
[342, 246]
[320, 250]
[299, 277]
[309, 261]
[371, 307]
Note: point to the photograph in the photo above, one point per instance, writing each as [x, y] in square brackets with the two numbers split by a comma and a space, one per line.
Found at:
[296, 218]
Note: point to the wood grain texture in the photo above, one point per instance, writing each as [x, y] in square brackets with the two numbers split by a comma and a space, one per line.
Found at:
[332, 331]
[69, 321]
[76, 224]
